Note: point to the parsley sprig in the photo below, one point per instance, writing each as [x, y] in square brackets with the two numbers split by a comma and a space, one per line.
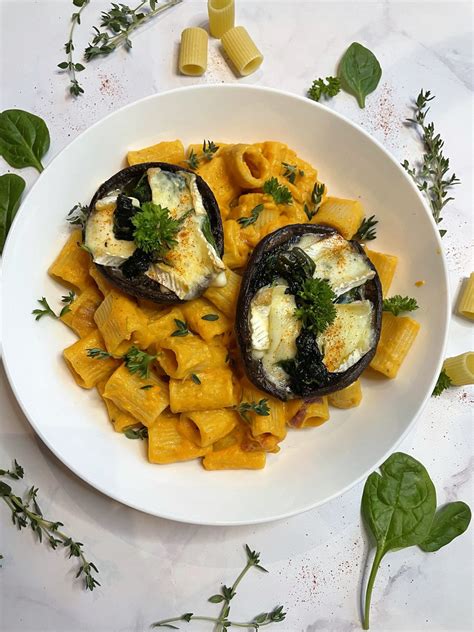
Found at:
[136, 360]
[132, 432]
[432, 173]
[26, 512]
[68, 299]
[316, 305]
[279, 192]
[252, 218]
[224, 597]
[69, 66]
[327, 89]
[155, 230]
[443, 383]
[259, 408]
[397, 304]
[367, 230]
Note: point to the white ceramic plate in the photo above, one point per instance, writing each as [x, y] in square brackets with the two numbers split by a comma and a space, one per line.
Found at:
[314, 465]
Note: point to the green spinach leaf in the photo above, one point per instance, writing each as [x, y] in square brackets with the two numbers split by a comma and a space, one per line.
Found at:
[398, 506]
[449, 522]
[11, 189]
[359, 72]
[24, 139]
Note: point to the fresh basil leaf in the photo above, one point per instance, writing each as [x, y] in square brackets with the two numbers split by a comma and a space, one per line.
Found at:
[449, 522]
[398, 506]
[359, 72]
[24, 139]
[11, 189]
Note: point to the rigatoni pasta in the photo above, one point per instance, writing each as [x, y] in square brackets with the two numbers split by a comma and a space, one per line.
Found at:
[242, 50]
[193, 52]
[221, 16]
[173, 371]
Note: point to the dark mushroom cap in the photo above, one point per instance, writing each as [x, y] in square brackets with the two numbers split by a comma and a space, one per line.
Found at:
[253, 280]
[142, 286]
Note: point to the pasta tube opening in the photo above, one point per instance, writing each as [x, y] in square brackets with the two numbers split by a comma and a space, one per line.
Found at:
[193, 52]
[221, 16]
[242, 50]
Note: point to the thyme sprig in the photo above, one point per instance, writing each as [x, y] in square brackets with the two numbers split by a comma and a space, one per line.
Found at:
[252, 218]
[291, 171]
[119, 22]
[192, 160]
[225, 596]
[316, 199]
[431, 174]
[136, 360]
[209, 148]
[26, 512]
[69, 66]
[259, 408]
[367, 230]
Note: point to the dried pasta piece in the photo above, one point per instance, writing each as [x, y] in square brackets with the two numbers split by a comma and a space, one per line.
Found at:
[193, 52]
[71, 266]
[205, 427]
[466, 302]
[397, 336]
[344, 215]
[80, 317]
[221, 16]
[460, 369]
[166, 151]
[234, 458]
[85, 370]
[385, 266]
[225, 298]
[125, 390]
[167, 445]
[301, 414]
[348, 397]
[250, 169]
[241, 50]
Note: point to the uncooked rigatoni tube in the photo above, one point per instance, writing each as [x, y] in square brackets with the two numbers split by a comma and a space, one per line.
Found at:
[193, 51]
[241, 50]
[221, 16]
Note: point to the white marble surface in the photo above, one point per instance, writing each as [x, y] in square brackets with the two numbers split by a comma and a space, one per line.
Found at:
[151, 568]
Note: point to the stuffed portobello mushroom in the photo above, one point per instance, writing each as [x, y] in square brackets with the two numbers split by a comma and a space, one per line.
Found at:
[154, 230]
[309, 312]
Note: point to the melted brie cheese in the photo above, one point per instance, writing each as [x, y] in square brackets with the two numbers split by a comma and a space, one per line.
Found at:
[349, 337]
[193, 263]
[274, 330]
[337, 261]
[100, 238]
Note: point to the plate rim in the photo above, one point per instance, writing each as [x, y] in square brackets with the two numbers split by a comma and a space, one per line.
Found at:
[5, 264]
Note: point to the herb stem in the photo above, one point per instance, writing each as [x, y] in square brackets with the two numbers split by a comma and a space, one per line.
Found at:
[225, 605]
[370, 584]
[220, 620]
[116, 40]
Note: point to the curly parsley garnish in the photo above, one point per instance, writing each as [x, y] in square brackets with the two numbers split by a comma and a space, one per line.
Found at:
[155, 229]
[321, 89]
[279, 192]
[316, 305]
[397, 304]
